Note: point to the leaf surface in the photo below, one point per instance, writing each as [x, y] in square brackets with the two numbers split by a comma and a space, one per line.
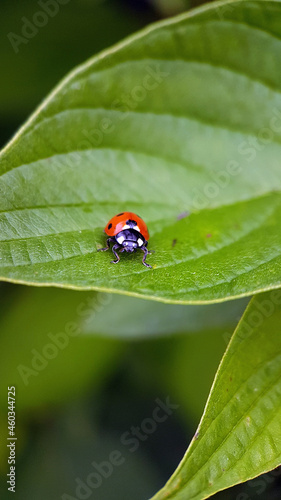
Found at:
[181, 124]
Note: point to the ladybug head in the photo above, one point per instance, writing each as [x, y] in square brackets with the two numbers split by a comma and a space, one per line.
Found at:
[129, 246]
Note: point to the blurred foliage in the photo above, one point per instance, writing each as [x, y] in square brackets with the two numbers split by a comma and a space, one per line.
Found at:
[40, 341]
[145, 318]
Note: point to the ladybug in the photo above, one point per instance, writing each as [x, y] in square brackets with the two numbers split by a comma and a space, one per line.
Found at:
[128, 232]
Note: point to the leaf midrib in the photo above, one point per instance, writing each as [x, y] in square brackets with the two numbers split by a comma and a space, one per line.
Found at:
[161, 267]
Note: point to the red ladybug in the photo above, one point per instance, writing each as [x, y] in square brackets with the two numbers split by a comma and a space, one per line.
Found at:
[128, 232]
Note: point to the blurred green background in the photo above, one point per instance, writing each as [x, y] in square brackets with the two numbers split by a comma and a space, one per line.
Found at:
[90, 369]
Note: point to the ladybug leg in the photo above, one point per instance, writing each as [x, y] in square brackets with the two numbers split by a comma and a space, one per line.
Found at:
[114, 248]
[146, 252]
[149, 252]
[108, 241]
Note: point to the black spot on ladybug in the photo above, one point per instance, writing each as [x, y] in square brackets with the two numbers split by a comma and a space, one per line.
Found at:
[109, 226]
[119, 215]
[131, 223]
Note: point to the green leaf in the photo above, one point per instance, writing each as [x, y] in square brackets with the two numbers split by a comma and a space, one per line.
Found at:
[131, 318]
[239, 436]
[179, 123]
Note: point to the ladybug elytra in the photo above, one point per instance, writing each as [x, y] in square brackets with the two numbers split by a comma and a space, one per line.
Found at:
[128, 232]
